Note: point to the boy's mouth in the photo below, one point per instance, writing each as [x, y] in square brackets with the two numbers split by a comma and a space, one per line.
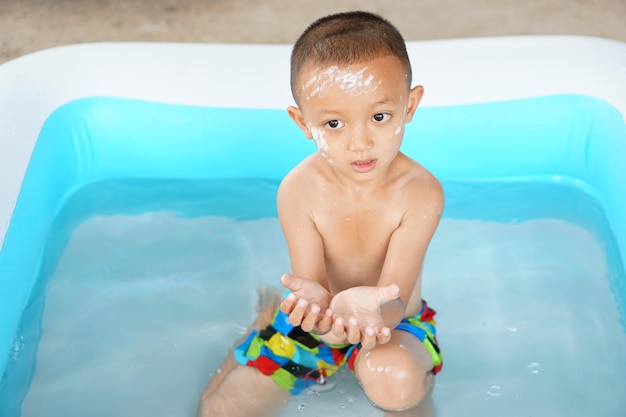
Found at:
[364, 166]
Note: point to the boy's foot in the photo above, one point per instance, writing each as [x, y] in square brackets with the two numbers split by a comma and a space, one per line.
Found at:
[269, 298]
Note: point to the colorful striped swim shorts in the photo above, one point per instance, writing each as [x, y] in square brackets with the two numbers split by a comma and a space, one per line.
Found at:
[296, 360]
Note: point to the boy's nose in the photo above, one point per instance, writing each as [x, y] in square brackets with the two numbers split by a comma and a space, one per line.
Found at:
[361, 140]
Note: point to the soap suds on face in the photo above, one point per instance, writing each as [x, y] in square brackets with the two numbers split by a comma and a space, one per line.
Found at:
[320, 142]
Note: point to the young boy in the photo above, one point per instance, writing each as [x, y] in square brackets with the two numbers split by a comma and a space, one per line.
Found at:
[358, 216]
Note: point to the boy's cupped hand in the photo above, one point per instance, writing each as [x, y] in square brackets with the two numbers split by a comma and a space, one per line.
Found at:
[357, 314]
[307, 304]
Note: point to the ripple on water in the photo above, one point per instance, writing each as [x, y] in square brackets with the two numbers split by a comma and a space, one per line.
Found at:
[494, 391]
[535, 367]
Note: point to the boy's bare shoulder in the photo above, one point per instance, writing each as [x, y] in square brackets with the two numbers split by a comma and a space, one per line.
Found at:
[302, 174]
[421, 186]
[300, 180]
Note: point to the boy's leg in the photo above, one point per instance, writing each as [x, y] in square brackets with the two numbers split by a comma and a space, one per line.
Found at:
[426, 408]
[396, 375]
[244, 392]
[237, 390]
[268, 300]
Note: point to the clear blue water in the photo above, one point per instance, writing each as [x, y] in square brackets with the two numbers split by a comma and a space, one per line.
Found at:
[151, 282]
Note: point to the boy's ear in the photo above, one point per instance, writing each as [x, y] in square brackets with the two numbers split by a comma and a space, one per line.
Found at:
[296, 115]
[415, 96]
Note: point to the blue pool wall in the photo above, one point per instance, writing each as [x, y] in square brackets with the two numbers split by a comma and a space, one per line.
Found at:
[571, 139]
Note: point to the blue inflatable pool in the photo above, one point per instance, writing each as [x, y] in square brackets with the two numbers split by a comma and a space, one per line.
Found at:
[62, 133]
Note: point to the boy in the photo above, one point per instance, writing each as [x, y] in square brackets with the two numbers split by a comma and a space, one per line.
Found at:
[358, 216]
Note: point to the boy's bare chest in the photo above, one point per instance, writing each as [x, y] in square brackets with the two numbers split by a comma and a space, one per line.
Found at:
[356, 237]
[358, 226]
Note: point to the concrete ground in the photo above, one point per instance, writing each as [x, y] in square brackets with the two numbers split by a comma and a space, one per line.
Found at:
[31, 25]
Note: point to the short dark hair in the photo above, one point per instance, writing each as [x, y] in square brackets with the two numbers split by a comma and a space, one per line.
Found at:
[347, 38]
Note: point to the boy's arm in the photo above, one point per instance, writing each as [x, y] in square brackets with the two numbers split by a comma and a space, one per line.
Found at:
[402, 267]
[407, 249]
[309, 300]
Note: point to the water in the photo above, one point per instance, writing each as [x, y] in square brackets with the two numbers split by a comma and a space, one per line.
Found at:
[142, 308]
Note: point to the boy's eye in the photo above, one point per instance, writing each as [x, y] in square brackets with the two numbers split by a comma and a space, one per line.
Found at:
[381, 117]
[334, 124]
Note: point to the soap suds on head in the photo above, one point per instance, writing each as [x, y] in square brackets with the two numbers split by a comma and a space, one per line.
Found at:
[353, 83]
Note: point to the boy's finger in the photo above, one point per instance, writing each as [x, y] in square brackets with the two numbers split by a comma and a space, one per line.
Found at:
[309, 320]
[287, 281]
[388, 293]
[295, 284]
[297, 314]
[368, 341]
[326, 322]
[338, 327]
[354, 332]
[288, 303]
[384, 336]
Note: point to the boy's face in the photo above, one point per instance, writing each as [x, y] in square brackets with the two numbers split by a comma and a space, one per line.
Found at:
[356, 114]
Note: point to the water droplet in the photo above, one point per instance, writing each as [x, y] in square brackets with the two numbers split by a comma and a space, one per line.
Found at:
[534, 367]
[494, 391]
[301, 407]
[512, 329]
[350, 399]
[240, 329]
[342, 405]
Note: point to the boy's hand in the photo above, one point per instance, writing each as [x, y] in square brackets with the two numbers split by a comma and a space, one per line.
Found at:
[357, 317]
[307, 305]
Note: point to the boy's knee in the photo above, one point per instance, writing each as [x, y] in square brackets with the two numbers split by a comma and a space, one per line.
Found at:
[393, 381]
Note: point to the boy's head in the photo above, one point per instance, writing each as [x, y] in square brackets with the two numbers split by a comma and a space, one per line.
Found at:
[351, 79]
[344, 39]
